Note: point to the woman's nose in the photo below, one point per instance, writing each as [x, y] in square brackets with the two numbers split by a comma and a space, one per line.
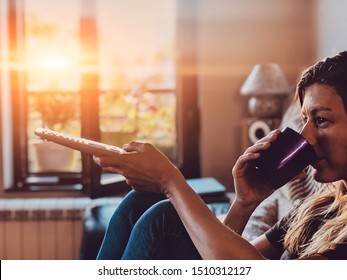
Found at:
[308, 133]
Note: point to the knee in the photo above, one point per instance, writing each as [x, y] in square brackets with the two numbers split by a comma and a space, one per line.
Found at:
[136, 203]
[141, 198]
[162, 213]
[131, 198]
[163, 207]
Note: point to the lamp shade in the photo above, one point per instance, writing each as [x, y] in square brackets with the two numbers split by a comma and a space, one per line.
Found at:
[265, 79]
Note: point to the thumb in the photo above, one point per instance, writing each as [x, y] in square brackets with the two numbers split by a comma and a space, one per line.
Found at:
[134, 146]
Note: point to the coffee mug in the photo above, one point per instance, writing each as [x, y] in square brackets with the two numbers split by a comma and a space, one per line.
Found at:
[287, 156]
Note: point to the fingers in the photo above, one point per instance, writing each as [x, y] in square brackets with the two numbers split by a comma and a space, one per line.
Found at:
[116, 160]
[107, 161]
[272, 136]
[242, 162]
[257, 147]
[247, 157]
[264, 143]
[135, 146]
[253, 152]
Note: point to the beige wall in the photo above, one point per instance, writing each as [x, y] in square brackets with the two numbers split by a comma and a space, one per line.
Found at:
[234, 35]
[332, 35]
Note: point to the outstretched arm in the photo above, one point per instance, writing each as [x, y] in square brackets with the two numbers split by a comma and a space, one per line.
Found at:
[146, 169]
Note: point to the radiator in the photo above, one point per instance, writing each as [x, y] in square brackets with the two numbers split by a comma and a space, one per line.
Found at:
[43, 229]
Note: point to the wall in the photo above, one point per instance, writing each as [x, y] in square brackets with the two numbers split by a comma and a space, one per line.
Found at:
[332, 35]
[232, 36]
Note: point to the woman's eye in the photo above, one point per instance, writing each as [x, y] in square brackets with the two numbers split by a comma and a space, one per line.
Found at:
[320, 120]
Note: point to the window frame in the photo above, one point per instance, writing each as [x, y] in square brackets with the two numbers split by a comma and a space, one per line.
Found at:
[187, 112]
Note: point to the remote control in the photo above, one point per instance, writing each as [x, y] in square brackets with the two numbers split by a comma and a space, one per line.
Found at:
[81, 144]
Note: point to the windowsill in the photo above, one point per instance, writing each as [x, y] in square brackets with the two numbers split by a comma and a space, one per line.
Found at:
[50, 188]
[9, 194]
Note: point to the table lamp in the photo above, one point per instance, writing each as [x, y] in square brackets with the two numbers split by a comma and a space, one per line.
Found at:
[266, 86]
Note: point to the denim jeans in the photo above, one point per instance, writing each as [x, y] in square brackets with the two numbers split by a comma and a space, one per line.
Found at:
[146, 226]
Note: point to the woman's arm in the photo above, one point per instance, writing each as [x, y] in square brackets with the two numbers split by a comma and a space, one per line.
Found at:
[146, 169]
[211, 237]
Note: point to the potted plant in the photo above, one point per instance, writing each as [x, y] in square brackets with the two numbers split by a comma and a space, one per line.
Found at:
[57, 111]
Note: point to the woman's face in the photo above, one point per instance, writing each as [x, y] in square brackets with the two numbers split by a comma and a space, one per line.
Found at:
[325, 128]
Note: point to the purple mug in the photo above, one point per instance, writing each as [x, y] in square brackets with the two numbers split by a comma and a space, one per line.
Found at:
[287, 156]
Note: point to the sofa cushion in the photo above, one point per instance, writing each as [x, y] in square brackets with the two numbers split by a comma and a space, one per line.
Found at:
[263, 218]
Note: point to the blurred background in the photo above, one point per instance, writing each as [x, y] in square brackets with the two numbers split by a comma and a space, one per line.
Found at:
[164, 71]
[170, 72]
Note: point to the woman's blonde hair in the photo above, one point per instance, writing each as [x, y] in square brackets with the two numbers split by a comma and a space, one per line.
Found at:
[327, 206]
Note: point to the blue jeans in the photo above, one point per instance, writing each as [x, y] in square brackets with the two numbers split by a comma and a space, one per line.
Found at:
[146, 226]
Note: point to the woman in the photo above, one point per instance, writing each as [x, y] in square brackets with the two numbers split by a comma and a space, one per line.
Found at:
[164, 219]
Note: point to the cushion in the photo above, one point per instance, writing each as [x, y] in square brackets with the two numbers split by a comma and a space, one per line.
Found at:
[262, 219]
[298, 189]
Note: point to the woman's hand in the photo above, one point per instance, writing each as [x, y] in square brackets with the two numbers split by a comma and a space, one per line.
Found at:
[250, 188]
[144, 167]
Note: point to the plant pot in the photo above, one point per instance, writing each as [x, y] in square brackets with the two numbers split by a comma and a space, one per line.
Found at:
[51, 157]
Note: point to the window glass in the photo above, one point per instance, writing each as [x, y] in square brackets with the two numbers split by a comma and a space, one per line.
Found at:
[102, 69]
[137, 72]
[52, 48]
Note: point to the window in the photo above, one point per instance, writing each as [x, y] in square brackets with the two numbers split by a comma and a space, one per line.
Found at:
[105, 70]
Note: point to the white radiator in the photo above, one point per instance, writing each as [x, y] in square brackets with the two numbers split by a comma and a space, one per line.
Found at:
[42, 229]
